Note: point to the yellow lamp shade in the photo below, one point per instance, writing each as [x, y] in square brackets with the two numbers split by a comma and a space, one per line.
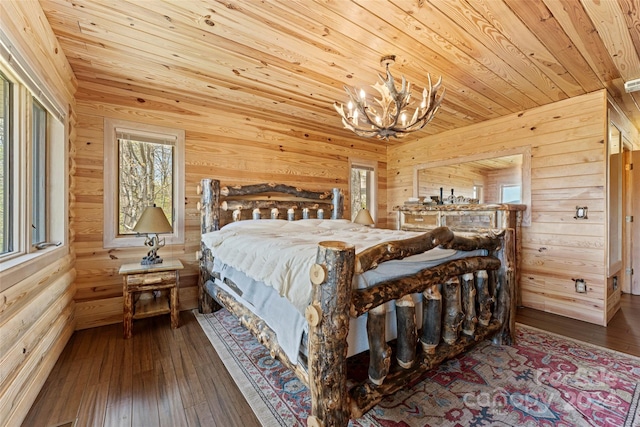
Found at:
[153, 220]
[364, 218]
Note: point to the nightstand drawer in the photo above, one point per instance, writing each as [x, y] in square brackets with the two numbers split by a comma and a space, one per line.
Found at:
[156, 279]
[424, 220]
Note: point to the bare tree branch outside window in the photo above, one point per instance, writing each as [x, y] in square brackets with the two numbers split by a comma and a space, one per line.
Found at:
[146, 178]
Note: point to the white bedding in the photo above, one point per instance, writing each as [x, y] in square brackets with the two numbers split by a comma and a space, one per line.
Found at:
[280, 253]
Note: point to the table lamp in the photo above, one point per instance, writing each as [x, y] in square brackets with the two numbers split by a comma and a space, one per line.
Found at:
[152, 222]
[364, 218]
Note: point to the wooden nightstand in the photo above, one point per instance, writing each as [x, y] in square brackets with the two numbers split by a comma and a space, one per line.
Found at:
[150, 290]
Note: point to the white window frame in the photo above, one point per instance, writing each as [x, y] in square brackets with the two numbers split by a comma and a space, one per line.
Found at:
[372, 190]
[111, 238]
[39, 196]
[25, 259]
[510, 186]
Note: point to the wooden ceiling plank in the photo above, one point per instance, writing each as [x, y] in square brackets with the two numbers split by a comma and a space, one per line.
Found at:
[156, 100]
[284, 96]
[568, 59]
[154, 48]
[346, 44]
[484, 97]
[611, 26]
[13, 21]
[451, 40]
[319, 57]
[234, 123]
[490, 34]
[503, 18]
[631, 13]
[579, 28]
[464, 100]
[286, 60]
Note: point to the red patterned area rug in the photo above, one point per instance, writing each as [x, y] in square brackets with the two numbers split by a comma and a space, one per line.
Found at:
[544, 380]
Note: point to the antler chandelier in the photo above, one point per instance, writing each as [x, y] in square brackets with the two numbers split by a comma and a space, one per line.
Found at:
[389, 115]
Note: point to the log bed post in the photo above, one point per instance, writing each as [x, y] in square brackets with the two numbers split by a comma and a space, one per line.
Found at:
[453, 311]
[431, 318]
[328, 317]
[506, 298]
[407, 331]
[469, 304]
[484, 297]
[209, 208]
[336, 201]
[379, 351]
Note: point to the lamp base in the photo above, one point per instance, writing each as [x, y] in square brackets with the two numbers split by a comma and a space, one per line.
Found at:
[151, 260]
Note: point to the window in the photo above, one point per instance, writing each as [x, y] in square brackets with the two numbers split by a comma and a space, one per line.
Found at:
[144, 165]
[510, 194]
[477, 193]
[5, 173]
[33, 167]
[363, 187]
[39, 173]
[145, 178]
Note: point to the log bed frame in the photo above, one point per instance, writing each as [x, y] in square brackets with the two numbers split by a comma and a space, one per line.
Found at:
[465, 301]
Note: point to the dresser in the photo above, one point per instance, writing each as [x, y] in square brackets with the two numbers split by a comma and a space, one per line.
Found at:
[466, 218]
[460, 217]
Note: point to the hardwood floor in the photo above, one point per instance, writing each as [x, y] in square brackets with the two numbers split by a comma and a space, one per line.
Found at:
[159, 377]
[165, 377]
[622, 333]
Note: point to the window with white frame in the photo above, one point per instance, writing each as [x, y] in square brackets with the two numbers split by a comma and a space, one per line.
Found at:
[510, 194]
[144, 166]
[363, 187]
[32, 191]
[6, 217]
[478, 193]
[38, 173]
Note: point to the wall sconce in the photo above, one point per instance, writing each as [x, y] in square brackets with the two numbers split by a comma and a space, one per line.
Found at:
[581, 212]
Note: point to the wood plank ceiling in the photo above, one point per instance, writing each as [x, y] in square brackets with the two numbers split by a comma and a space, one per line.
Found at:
[288, 60]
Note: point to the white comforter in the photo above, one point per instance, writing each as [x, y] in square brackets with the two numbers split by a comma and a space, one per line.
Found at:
[280, 253]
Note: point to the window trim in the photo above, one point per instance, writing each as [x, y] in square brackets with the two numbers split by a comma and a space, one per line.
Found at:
[366, 164]
[111, 238]
[39, 179]
[27, 87]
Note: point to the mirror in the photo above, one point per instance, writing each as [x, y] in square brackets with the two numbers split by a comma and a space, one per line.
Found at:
[616, 168]
[490, 178]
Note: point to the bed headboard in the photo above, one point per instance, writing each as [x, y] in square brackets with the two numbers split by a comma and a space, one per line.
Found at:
[221, 205]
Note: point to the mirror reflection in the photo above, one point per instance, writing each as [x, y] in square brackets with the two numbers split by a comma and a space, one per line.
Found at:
[492, 180]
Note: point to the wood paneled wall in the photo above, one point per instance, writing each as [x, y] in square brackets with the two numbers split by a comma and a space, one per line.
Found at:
[36, 297]
[234, 148]
[568, 169]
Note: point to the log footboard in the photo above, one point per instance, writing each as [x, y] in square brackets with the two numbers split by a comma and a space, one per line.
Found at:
[460, 308]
